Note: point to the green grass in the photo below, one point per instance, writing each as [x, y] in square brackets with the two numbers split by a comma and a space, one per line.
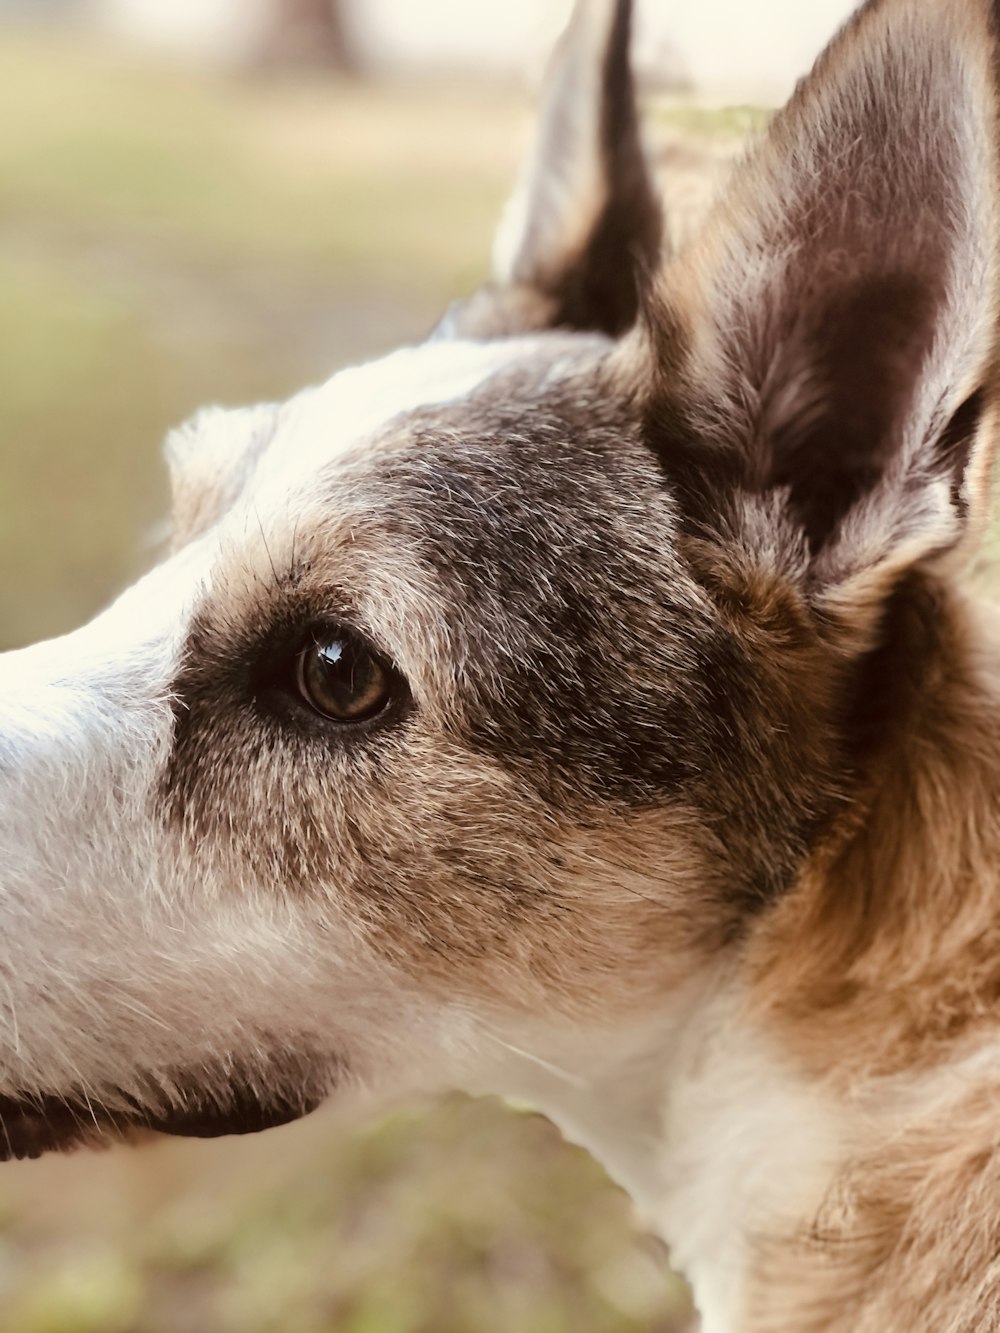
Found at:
[468, 1220]
[387, 183]
[167, 240]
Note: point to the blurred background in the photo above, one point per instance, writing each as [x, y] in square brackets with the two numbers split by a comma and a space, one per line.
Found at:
[220, 201]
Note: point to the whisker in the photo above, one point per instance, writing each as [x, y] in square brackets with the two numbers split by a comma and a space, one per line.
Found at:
[574, 1080]
[270, 559]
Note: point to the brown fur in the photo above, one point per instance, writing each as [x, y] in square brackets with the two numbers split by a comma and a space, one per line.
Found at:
[889, 949]
[882, 967]
[908, 1237]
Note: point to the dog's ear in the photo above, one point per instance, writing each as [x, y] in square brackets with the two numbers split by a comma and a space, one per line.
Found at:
[823, 359]
[581, 236]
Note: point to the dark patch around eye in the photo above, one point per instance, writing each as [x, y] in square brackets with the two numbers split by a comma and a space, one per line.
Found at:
[239, 726]
[589, 662]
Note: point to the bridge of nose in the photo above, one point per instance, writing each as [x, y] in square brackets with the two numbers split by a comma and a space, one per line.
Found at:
[67, 703]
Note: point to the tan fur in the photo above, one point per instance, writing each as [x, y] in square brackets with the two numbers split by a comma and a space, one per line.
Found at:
[893, 934]
[881, 970]
[908, 1237]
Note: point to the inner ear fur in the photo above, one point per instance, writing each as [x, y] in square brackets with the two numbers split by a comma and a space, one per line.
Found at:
[830, 337]
[582, 233]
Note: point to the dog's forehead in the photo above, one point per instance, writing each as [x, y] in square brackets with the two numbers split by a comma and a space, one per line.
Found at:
[362, 488]
[226, 463]
[340, 420]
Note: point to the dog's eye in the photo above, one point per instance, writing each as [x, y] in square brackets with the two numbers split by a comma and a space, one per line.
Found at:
[341, 678]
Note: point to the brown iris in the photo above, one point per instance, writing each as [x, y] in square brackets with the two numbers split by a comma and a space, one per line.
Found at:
[341, 678]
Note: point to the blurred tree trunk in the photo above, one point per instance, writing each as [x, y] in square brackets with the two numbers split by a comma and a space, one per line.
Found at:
[309, 32]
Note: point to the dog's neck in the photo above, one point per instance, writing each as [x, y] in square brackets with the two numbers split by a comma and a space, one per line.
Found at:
[715, 1141]
[802, 1089]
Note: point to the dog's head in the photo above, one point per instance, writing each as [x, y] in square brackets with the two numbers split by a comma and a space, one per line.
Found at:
[494, 690]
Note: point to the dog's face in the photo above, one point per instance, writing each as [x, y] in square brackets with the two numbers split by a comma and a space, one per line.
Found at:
[493, 690]
[365, 767]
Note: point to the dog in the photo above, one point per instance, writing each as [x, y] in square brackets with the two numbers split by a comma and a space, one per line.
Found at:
[591, 705]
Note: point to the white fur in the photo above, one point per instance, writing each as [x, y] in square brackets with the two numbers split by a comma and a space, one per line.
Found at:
[323, 424]
[713, 1134]
[749, 1149]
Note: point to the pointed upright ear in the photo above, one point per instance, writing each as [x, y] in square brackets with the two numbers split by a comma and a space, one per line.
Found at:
[824, 358]
[581, 235]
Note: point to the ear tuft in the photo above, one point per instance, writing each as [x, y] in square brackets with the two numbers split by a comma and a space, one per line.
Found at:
[831, 424]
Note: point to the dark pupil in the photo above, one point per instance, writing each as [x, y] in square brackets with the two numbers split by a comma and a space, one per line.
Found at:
[343, 680]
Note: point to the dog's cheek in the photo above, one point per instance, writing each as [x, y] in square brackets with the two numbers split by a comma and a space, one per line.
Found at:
[408, 846]
[475, 891]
